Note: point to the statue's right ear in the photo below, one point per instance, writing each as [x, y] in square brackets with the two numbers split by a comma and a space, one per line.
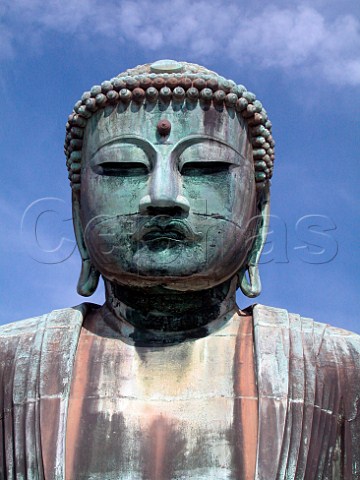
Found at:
[89, 276]
[248, 276]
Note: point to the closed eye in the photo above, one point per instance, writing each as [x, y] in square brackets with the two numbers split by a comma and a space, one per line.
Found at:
[192, 169]
[122, 169]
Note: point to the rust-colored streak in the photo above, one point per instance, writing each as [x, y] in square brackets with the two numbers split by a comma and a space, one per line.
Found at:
[159, 444]
[246, 402]
[77, 396]
[49, 419]
[159, 449]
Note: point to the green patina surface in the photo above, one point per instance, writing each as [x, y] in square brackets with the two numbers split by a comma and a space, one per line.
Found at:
[166, 212]
[170, 166]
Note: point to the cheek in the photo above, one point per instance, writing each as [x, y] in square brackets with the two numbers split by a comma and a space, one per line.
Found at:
[231, 195]
[243, 196]
[209, 193]
[238, 229]
[111, 195]
[109, 240]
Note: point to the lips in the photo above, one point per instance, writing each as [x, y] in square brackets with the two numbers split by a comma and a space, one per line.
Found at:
[164, 234]
[163, 229]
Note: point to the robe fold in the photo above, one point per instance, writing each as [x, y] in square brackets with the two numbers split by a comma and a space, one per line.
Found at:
[308, 382]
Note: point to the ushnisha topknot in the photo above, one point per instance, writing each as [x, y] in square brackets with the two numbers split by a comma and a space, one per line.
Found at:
[171, 81]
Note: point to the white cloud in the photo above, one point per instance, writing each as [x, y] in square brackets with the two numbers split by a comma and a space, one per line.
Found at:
[303, 39]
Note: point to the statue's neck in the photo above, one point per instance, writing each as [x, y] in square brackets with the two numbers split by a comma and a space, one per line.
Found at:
[162, 316]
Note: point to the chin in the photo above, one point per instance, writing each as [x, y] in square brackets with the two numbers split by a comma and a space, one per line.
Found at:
[172, 278]
[184, 284]
[178, 267]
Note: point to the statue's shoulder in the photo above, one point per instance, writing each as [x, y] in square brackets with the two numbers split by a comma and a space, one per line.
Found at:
[30, 325]
[22, 327]
[328, 354]
[341, 334]
[24, 334]
[338, 347]
[323, 337]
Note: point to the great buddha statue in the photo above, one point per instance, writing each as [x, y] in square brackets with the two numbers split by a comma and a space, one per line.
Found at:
[170, 168]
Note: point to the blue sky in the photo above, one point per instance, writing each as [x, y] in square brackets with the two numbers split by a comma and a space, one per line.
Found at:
[300, 58]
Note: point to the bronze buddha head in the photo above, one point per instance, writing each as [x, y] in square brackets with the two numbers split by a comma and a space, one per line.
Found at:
[170, 167]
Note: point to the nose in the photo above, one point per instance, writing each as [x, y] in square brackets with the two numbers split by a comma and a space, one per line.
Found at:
[164, 191]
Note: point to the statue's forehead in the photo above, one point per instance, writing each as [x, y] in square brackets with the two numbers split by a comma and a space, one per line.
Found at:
[108, 125]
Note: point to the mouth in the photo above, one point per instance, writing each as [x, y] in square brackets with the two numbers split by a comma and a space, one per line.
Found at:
[163, 230]
[161, 235]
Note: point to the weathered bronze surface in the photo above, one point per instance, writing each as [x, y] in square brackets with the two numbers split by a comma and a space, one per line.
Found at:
[170, 167]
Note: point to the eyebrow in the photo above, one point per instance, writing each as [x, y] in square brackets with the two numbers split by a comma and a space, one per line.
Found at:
[195, 139]
[179, 147]
[131, 139]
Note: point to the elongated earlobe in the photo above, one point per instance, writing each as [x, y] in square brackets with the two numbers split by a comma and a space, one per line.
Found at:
[251, 287]
[89, 276]
[89, 279]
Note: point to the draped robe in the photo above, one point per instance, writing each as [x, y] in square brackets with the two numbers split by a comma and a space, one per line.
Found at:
[308, 391]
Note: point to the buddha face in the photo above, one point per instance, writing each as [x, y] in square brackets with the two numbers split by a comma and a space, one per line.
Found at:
[167, 196]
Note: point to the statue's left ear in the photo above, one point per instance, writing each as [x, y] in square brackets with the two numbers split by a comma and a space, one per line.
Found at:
[89, 276]
[251, 287]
